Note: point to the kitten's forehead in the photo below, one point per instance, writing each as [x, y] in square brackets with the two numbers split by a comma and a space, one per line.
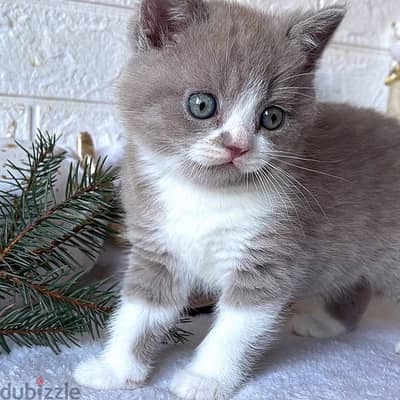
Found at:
[245, 51]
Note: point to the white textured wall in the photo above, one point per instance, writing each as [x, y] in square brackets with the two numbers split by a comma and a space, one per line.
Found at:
[60, 58]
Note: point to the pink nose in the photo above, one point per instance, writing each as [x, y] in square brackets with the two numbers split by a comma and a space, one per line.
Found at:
[237, 143]
[237, 152]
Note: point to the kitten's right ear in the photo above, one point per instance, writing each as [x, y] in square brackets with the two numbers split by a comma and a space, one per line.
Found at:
[160, 21]
[314, 30]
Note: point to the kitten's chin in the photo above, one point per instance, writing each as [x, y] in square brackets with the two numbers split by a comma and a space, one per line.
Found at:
[227, 174]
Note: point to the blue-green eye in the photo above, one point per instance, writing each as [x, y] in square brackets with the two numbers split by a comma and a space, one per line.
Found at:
[202, 105]
[272, 118]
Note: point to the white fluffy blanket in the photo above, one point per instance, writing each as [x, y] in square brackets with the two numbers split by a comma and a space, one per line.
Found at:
[360, 365]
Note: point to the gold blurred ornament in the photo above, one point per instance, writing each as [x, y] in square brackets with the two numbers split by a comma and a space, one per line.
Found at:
[393, 79]
[393, 76]
[86, 151]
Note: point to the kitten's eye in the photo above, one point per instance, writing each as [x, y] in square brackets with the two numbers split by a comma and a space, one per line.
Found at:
[202, 105]
[272, 118]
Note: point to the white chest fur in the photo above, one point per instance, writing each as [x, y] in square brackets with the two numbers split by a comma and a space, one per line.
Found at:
[209, 231]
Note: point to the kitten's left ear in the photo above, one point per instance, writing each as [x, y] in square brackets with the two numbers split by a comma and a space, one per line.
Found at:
[313, 31]
[160, 21]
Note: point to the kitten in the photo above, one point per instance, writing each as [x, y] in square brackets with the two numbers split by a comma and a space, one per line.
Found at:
[238, 183]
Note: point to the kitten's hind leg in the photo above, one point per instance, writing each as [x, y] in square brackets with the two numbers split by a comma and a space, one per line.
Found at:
[340, 314]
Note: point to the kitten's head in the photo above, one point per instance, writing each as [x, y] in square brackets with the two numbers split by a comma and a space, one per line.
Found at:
[214, 89]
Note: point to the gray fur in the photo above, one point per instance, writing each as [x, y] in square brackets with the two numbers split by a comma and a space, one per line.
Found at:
[350, 305]
[340, 183]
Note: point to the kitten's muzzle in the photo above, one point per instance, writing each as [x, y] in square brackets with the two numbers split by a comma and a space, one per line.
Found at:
[237, 145]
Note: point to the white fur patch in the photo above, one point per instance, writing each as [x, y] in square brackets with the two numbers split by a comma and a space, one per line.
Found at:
[242, 114]
[222, 357]
[118, 367]
[209, 230]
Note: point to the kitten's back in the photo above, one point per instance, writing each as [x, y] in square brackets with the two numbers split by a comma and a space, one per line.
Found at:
[358, 187]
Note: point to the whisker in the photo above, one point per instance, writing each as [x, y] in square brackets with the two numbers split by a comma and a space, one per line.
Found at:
[267, 178]
[265, 191]
[296, 181]
[294, 66]
[314, 171]
[291, 202]
[278, 188]
[295, 76]
[288, 178]
[294, 94]
[299, 75]
[277, 154]
[294, 88]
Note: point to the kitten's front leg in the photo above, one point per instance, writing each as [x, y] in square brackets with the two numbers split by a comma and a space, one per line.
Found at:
[150, 304]
[225, 356]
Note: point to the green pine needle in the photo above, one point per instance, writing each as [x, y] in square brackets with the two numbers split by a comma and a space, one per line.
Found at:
[42, 300]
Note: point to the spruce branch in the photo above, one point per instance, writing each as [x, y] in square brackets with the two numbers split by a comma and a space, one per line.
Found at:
[44, 302]
[43, 297]
[53, 294]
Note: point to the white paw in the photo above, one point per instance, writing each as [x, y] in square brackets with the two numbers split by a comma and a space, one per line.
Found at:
[189, 386]
[97, 373]
[320, 325]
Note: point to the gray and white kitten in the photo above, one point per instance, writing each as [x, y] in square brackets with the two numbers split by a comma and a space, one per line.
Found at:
[238, 183]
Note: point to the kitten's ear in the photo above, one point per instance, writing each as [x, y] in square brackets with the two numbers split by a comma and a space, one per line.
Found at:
[314, 30]
[160, 21]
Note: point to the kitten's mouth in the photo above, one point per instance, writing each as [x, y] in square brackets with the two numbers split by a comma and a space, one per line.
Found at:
[227, 167]
[222, 164]
[234, 163]
[228, 164]
[228, 172]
